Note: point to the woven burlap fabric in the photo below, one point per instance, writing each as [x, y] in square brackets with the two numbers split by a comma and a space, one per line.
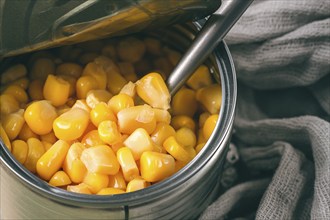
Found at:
[281, 50]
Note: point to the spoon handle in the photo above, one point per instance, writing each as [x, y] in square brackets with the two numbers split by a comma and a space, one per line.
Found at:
[213, 31]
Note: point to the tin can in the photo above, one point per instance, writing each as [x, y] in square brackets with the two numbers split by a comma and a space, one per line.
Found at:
[182, 196]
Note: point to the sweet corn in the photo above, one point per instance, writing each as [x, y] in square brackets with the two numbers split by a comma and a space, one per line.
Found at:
[84, 85]
[102, 112]
[127, 163]
[200, 137]
[129, 89]
[117, 181]
[13, 123]
[60, 178]
[8, 104]
[26, 133]
[152, 89]
[86, 58]
[179, 152]
[23, 82]
[51, 161]
[81, 103]
[96, 96]
[17, 92]
[209, 125]
[50, 137]
[56, 90]
[13, 73]
[96, 71]
[142, 116]
[179, 165]
[184, 102]
[47, 145]
[20, 150]
[210, 98]
[5, 138]
[41, 68]
[35, 90]
[202, 118]
[199, 147]
[162, 115]
[164, 66]
[96, 181]
[72, 164]
[36, 150]
[156, 166]
[138, 142]
[127, 70]
[131, 49]
[109, 51]
[100, 159]
[108, 132]
[180, 121]
[186, 137]
[137, 184]
[92, 138]
[115, 82]
[71, 125]
[107, 64]
[40, 116]
[82, 188]
[153, 46]
[70, 69]
[72, 81]
[162, 131]
[200, 78]
[120, 102]
[172, 55]
[110, 191]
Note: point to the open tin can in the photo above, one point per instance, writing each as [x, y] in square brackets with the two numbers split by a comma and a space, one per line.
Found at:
[184, 195]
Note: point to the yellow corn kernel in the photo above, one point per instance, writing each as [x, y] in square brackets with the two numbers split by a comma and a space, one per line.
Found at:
[72, 164]
[162, 115]
[62, 109]
[128, 71]
[51, 161]
[110, 191]
[13, 73]
[129, 89]
[17, 92]
[137, 183]
[8, 104]
[107, 64]
[209, 125]
[71, 125]
[96, 181]
[127, 163]
[179, 152]
[109, 51]
[153, 45]
[138, 142]
[200, 78]
[90, 127]
[47, 145]
[172, 55]
[199, 147]
[60, 178]
[102, 112]
[36, 150]
[108, 132]
[72, 81]
[179, 165]
[96, 71]
[200, 137]
[186, 137]
[156, 166]
[210, 97]
[35, 90]
[70, 69]
[50, 137]
[40, 116]
[117, 181]
[13, 123]
[180, 121]
[5, 138]
[96, 96]
[159, 148]
[91, 139]
[164, 66]
[202, 118]
[184, 102]
[115, 82]
[143, 66]
[82, 188]
[23, 82]
[142, 116]
[120, 102]
[56, 90]
[81, 103]
[162, 131]
[100, 159]
[131, 49]
[41, 68]
[86, 58]
[84, 85]
[20, 150]
[152, 89]
[26, 133]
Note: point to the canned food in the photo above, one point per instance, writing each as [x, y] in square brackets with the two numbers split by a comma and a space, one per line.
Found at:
[184, 195]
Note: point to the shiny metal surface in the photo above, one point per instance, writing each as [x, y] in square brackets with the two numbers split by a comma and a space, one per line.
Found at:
[213, 31]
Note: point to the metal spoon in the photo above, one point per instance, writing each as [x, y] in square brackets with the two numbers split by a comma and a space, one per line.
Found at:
[214, 30]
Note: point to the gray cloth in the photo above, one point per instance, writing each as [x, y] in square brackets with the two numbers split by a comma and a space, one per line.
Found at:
[281, 51]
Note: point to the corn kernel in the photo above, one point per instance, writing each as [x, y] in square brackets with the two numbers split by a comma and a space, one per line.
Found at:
[156, 166]
[72, 81]
[5, 138]
[102, 112]
[26, 133]
[129, 89]
[152, 89]
[164, 66]
[210, 97]
[200, 78]
[108, 132]
[23, 82]
[96, 71]
[96, 181]
[127, 163]
[120, 102]
[56, 90]
[179, 152]
[127, 71]
[8, 104]
[20, 150]
[162, 131]
[70, 69]
[137, 184]
[41, 68]
[110, 191]
[84, 85]
[202, 118]
[100, 159]
[209, 125]
[13, 123]
[80, 188]
[153, 46]
[36, 150]
[179, 165]
[50, 137]
[180, 121]
[142, 116]
[60, 178]
[72, 164]
[96, 96]
[17, 92]
[40, 116]
[162, 115]
[199, 147]
[107, 64]
[117, 181]
[109, 51]
[138, 142]
[172, 55]
[71, 125]
[47, 145]
[13, 73]
[200, 137]
[131, 49]
[81, 103]
[186, 137]
[92, 138]
[86, 58]
[35, 90]
[115, 82]
[184, 102]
